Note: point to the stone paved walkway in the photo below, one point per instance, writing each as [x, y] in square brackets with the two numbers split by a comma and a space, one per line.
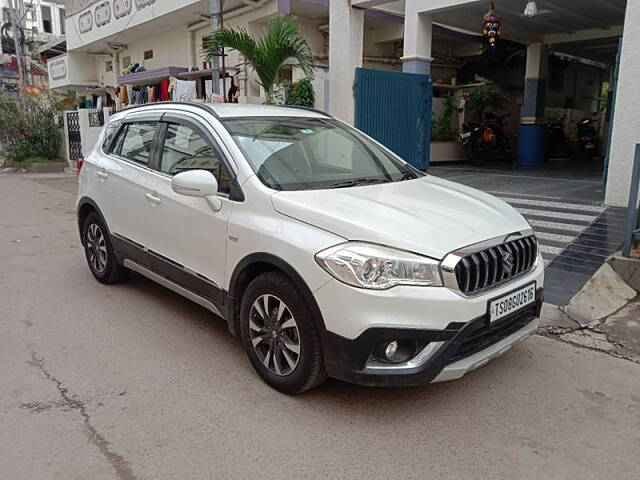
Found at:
[564, 206]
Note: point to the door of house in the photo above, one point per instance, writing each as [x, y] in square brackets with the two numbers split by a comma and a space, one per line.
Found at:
[395, 109]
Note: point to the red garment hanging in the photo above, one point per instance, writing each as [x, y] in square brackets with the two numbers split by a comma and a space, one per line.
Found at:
[164, 87]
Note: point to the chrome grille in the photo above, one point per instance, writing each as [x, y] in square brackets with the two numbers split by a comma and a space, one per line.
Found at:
[496, 265]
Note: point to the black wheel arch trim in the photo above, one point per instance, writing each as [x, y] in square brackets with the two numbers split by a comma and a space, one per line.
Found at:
[81, 204]
[234, 294]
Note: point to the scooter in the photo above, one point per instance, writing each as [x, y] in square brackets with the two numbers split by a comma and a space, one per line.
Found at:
[486, 140]
[587, 139]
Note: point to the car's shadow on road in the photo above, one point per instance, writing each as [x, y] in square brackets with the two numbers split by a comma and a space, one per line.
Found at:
[332, 394]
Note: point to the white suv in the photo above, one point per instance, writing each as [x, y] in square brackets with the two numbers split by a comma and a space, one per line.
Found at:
[325, 252]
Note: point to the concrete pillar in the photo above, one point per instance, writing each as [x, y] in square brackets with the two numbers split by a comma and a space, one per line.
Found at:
[191, 50]
[346, 32]
[531, 141]
[418, 32]
[535, 84]
[626, 121]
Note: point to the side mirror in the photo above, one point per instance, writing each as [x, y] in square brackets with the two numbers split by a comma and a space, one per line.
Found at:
[198, 183]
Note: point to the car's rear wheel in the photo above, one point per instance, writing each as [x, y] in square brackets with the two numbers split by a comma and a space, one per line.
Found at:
[280, 336]
[99, 251]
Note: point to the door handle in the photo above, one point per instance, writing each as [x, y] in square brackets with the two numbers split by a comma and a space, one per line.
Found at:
[102, 175]
[152, 198]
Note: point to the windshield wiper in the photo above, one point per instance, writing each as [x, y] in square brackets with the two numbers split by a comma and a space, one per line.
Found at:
[358, 181]
[410, 175]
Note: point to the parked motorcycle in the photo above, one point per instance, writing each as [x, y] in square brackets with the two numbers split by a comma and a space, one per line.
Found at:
[556, 145]
[587, 139]
[485, 141]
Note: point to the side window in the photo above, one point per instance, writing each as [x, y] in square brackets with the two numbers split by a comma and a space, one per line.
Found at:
[137, 141]
[109, 132]
[185, 149]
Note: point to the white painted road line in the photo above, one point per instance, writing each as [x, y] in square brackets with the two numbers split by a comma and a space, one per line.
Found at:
[542, 236]
[549, 249]
[546, 203]
[558, 215]
[561, 226]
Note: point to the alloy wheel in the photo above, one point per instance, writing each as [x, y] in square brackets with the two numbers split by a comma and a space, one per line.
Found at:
[274, 334]
[97, 248]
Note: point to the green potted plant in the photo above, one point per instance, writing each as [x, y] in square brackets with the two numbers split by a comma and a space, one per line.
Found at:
[302, 94]
[444, 147]
[442, 131]
[485, 97]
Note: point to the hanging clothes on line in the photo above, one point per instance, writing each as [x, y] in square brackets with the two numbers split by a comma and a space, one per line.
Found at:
[164, 90]
[172, 88]
[124, 95]
[185, 91]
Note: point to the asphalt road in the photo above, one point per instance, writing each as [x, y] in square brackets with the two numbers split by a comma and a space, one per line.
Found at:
[132, 381]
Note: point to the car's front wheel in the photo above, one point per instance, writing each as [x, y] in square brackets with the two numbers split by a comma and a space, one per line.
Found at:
[99, 251]
[280, 336]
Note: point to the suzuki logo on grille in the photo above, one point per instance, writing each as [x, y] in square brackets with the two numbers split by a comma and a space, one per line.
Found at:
[507, 261]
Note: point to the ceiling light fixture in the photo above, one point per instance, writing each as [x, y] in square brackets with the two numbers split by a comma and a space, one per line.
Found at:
[531, 10]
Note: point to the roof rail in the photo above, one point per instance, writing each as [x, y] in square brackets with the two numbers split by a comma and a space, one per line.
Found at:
[300, 107]
[203, 106]
[209, 107]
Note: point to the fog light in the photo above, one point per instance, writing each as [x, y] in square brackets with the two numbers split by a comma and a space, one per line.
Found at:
[391, 349]
[394, 351]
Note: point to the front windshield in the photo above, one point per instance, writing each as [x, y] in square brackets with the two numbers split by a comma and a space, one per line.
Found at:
[313, 153]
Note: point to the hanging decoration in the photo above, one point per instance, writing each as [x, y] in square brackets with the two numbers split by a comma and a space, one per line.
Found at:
[491, 25]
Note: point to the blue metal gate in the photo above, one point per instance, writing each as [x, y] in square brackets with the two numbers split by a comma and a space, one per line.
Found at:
[395, 109]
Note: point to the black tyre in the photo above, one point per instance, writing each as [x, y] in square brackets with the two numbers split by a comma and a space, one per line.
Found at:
[473, 154]
[280, 336]
[99, 251]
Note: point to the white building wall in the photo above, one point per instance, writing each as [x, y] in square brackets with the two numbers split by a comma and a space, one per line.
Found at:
[100, 21]
[626, 122]
[170, 49]
[182, 46]
[72, 69]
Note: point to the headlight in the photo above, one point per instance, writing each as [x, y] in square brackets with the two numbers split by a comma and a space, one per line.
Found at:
[372, 266]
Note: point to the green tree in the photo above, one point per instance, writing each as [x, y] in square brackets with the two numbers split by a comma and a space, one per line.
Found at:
[280, 41]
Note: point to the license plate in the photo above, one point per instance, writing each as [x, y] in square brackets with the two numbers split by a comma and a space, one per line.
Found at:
[589, 146]
[512, 302]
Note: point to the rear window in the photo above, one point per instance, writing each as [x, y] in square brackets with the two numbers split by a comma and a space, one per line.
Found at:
[135, 141]
[109, 134]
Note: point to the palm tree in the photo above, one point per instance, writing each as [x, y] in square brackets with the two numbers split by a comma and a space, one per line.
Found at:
[280, 41]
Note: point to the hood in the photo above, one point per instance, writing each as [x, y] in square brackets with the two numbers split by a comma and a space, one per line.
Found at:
[428, 215]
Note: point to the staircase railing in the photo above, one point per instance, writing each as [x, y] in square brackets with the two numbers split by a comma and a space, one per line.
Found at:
[632, 229]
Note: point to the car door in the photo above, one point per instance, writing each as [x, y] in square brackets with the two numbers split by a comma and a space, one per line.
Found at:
[188, 238]
[123, 174]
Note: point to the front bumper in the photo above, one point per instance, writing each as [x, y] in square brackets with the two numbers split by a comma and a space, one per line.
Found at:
[461, 348]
